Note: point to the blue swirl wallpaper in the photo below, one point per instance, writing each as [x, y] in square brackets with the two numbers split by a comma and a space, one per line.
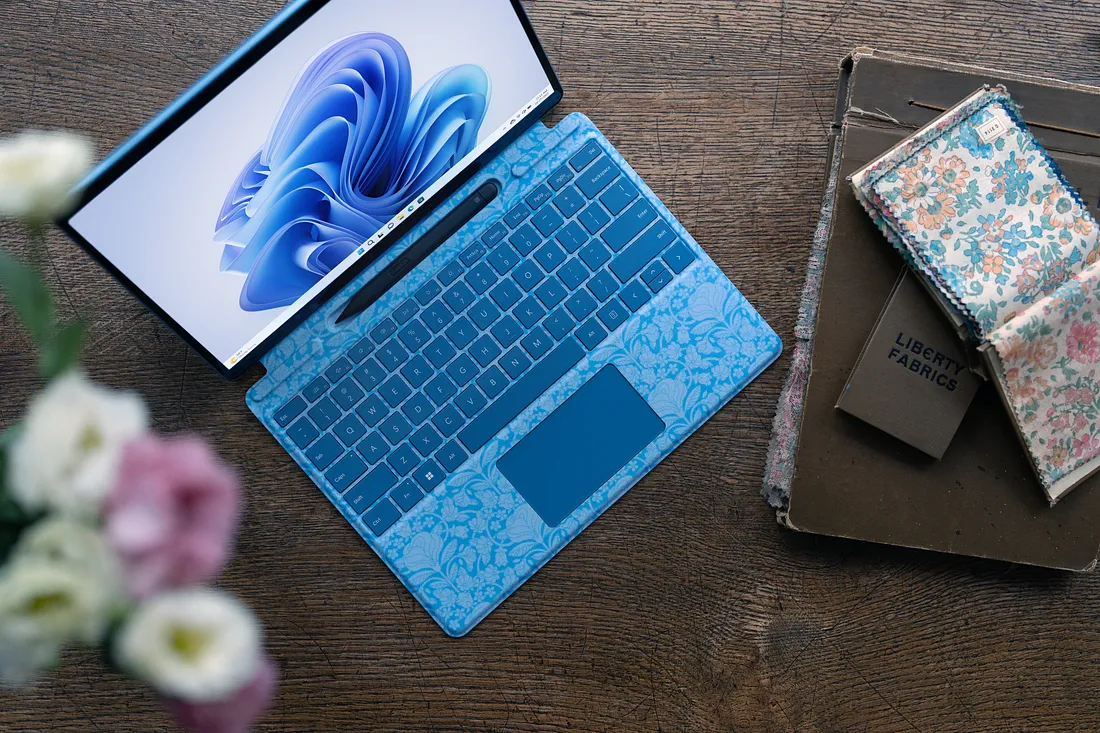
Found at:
[352, 146]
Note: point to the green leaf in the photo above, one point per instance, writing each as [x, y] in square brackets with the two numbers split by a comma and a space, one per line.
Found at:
[63, 351]
[30, 297]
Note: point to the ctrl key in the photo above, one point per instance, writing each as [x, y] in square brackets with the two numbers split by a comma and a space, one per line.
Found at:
[382, 517]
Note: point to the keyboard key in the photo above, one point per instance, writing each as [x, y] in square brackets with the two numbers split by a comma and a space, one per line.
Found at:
[492, 382]
[521, 394]
[347, 394]
[403, 460]
[594, 218]
[383, 331]
[517, 215]
[462, 370]
[629, 225]
[591, 334]
[573, 274]
[603, 286]
[324, 413]
[595, 255]
[515, 362]
[584, 158]
[481, 278]
[350, 430]
[484, 314]
[459, 297]
[507, 332]
[635, 257]
[406, 496]
[495, 235]
[303, 433]
[581, 305]
[428, 293]
[561, 177]
[382, 517]
[450, 273]
[346, 471]
[506, 294]
[439, 352]
[679, 256]
[441, 389]
[448, 421]
[485, 351]
[572, 237]
[653, 271]
[405, 312]
[527, 275]
[415, 336]
[370, 375]
[529, 312]
[290, 410]
[547, 220]
[504, 259]
[451, 456]
[316, 389]
[429, 476]
[619, 196]
[471, 401]
[549, 256]
[613, 315]
[569, 202]
[395, 429]
[373, 487]
[539, 197]
[536, 343]
[417, 409]
[374, 448]
[461, 333]
[559, 324]
[426, 441]
[473, 254]
[394, 391]
[598, 177]
[417, 371]
[660, 282]
[635, 295]
[326, 450]
[392, 355]
[362, 496]
[551, 292]
[373, 410]
[525, 240]
[361, 351]
[437, 316]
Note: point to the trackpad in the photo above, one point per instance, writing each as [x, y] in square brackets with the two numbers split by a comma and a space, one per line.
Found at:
[586, 441]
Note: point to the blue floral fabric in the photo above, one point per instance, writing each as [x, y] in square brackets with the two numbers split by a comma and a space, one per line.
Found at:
[474, 540]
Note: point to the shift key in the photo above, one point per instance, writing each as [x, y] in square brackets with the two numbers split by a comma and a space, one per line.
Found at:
[642, 252]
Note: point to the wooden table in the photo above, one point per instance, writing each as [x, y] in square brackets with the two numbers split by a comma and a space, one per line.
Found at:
[685, 608]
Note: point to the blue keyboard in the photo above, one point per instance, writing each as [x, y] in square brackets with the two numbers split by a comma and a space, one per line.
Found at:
[450, 368]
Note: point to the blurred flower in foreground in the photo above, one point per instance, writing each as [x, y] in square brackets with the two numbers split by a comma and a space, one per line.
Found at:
[173, 515]
[235, 714]
[199, 645]
[37, 171]
[66, 455]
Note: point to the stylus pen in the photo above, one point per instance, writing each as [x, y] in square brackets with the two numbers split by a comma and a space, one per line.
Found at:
[419, 251]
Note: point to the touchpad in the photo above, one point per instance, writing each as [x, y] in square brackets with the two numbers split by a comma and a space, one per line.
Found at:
[586, 441]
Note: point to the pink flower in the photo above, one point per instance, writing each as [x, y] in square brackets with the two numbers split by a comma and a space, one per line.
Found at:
[235, 714]
[1083, 343]
[173, 514]
[1085, 447]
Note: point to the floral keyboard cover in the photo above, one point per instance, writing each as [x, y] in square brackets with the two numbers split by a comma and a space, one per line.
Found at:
[982, 212]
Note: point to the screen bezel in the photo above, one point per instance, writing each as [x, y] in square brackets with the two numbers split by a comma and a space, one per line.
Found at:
[198, 96]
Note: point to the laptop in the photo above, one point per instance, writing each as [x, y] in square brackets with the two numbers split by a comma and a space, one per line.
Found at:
[475, 332]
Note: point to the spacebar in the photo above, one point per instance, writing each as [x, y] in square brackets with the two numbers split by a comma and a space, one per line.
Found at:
[521, 395]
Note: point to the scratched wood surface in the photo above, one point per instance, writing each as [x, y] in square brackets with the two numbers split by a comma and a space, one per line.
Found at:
[685, 608]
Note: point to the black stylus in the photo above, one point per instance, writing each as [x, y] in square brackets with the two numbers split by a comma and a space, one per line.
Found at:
[414, 255]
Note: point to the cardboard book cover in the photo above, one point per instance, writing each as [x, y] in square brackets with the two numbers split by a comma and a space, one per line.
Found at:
[833, 474]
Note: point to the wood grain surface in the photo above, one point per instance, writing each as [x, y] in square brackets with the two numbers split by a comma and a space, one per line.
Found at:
[685, 608]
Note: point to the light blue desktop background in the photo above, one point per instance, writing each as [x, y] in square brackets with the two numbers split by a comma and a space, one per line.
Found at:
[156, 223]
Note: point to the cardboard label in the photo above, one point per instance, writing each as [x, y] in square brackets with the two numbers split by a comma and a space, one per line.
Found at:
[997, 127]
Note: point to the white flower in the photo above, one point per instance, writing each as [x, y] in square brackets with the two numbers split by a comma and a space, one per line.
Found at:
[76, 546]
[195, 645]
[37, 172]
[67, 454]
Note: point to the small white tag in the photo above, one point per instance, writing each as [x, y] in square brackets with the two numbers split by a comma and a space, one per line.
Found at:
[996, 128]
